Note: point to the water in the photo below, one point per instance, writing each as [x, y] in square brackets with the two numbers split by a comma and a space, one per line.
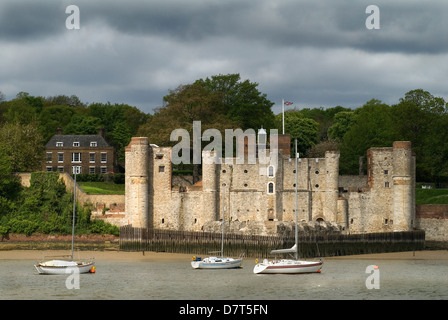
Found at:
[340, 279]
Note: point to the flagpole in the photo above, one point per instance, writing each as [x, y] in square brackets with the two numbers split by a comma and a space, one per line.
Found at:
[283, 115]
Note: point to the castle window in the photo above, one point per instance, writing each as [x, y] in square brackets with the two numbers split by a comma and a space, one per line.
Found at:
[163, 220]
[271, 188]
[386, 221]
[317, 172]
[271, 171]
[386, 184]
[161, 168]
[159, 156]
[224, 171]
[245, 184]
[245, 171]
[386, 171]
[317, 186]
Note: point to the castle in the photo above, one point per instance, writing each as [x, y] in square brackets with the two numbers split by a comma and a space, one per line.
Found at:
[258, 197]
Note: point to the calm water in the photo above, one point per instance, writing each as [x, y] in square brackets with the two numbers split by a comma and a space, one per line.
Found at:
[340, 279]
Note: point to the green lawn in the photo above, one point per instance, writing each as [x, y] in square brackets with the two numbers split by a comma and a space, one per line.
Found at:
[102, 187]
[431, 196]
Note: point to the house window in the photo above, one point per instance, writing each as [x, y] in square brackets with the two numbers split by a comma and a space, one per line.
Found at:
[91, 170]
[60, 156]
[93, 144]
[271, 188]
[76, 157]
[103, 157]
[49, 169]
[103, 169]
[61, 169]
[49, 157]
[161, 168]
[76, 144]
[92, 157]
[59, 144]
[271, 171]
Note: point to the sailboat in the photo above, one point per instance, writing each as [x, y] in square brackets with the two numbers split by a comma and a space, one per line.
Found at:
[289, 266]
[217, 262]
[59, 266]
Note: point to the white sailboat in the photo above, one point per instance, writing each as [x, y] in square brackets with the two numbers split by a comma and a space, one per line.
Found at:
[289, 266]
[217, 262]
[60, 266]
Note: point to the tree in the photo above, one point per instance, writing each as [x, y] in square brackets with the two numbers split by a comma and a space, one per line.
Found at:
[297, 126]
[81, 124]
[341, 124]
[241, 101]
[422, 118]
[23, 144]
[53, 117]
[372, 126]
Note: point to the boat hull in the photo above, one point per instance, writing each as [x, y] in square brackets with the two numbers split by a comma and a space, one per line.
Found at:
[217, 263]
[64, 268]
[288, 267]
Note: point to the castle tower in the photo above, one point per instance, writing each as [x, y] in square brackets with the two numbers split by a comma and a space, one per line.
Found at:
[403, 186]
[136, 182]
[331, 182]
[210, 188]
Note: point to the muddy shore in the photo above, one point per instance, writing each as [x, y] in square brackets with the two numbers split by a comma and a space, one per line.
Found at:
[115, 255]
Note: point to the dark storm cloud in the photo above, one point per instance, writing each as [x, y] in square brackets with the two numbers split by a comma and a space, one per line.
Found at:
[316, 53]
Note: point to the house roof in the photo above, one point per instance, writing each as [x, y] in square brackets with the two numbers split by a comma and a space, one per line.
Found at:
[84, 141]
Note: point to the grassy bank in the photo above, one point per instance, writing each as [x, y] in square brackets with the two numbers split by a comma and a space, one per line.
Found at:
[102, 187]
[431, 196]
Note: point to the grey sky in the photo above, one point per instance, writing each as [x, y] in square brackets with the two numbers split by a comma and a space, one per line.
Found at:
[313, 53]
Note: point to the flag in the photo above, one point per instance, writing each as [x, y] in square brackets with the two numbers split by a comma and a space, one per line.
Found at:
[288, 103]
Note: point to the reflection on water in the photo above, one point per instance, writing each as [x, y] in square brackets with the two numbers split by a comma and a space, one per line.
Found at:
[340, 279]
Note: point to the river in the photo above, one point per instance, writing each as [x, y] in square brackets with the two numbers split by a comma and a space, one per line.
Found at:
[341, 279]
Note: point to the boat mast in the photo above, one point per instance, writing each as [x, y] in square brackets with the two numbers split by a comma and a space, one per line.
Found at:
[297, 182]
[223, 211]
[74, 209]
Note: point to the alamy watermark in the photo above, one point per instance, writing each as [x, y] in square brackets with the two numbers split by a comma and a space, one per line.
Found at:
[373, 21]
[73, 20]
[72, 281]
[373, 280]
[256, 148]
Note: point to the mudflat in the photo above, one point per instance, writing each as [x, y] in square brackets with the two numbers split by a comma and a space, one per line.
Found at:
[114, 255]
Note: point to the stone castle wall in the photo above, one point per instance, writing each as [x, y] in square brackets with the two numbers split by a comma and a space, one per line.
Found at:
[262, 195]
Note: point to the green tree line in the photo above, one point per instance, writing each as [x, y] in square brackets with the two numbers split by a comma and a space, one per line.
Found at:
[228, 102]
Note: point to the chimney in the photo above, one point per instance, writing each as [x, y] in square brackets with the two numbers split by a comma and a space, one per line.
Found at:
[59, 131]
[102, 132]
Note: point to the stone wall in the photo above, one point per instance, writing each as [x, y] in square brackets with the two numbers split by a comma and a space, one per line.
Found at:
[433, 218]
